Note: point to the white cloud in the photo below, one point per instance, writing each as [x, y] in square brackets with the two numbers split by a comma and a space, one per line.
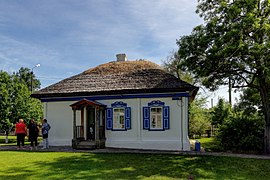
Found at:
[72, 36]
[166, 19]
[15, 54]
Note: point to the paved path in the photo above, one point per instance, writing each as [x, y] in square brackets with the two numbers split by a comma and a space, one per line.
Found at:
[115, 150]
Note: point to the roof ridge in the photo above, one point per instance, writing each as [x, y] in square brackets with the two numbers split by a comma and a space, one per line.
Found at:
[116, 67]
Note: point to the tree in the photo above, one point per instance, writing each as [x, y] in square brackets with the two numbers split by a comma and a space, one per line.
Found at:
[15, 101]
[249, 102]
[28, 78]
[233, 42]
[172, 65]
[199, 117]
[23, 106]
[5, 103]
[220, 112]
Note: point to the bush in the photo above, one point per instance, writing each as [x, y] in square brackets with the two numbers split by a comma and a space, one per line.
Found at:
[242, 134]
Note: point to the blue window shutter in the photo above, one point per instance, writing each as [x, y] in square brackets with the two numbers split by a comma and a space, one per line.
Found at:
[109, 118]
[166, 117]
[128, 117]
[146, 117]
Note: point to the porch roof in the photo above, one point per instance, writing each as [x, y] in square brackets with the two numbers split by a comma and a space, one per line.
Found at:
[86, 102]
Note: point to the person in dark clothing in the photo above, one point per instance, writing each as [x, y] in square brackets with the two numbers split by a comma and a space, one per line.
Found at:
[33, 132]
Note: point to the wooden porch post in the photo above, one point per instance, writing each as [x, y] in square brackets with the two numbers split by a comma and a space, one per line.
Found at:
[74, 124]
[82, 123]
[74, 140]
[97, 127]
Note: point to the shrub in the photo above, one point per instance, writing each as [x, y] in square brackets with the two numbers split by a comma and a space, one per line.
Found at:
[242, 133]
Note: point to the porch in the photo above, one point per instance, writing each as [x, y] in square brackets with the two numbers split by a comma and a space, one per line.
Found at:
[88, 125]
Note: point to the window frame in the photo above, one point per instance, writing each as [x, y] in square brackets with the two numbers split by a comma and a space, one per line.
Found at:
[156, 114]
[165, 115]
[110, 118]
[118, 119]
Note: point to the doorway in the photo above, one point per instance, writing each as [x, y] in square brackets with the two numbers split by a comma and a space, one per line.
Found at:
[90, 123]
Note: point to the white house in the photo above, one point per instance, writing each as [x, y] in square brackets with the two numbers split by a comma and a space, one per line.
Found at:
[120, 104]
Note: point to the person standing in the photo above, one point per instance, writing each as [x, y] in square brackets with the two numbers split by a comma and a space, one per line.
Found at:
[45, 131]
[33, 134]
[20, 132]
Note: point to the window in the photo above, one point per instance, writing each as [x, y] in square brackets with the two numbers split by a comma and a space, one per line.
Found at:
[156, 116]
[118, 117]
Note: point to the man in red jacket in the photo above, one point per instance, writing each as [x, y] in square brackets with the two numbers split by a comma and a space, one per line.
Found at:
[20, 131]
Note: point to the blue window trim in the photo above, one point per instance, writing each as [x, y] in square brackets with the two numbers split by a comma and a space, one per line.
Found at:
[118, 104]
[109, 118]
[166, 117]
[127, 116]
[174, 96]
[147, 116]
[156, 103]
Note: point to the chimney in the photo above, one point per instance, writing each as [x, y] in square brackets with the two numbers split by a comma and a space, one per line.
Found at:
[121, 57]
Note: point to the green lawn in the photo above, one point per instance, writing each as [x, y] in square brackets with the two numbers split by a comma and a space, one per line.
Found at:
[66, 165]
[12, 140]
[209, 144]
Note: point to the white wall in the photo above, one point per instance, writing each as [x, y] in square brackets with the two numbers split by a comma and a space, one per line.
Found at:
[60, 117]
[139, 138]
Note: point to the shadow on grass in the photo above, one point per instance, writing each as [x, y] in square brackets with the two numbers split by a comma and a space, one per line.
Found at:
[138, 166]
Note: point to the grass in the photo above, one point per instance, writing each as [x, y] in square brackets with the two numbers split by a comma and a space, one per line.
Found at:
[66, 165]
[209, 144]
[12, 140]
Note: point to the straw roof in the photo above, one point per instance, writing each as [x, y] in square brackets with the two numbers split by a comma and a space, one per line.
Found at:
[122, 67]
[117, 78]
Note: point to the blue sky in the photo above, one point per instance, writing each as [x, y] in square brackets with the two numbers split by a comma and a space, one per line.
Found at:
[69, 36]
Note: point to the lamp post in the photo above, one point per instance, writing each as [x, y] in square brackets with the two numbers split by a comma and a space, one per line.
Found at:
[37, 65]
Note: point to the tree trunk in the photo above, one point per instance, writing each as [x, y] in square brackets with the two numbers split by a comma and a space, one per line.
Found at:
[266, 110]
[267, 131]
[267, 139]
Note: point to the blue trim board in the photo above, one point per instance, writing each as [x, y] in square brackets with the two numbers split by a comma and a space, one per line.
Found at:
[156, 103]
[126, 96]
[118, 104]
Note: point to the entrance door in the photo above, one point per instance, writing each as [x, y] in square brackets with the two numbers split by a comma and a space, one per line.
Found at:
[90, 123]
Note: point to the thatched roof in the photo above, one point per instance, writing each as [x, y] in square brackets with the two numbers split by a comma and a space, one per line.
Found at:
[121, 67]
[117, 78]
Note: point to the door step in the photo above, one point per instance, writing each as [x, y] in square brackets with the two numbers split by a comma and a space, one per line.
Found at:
[85, 145]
